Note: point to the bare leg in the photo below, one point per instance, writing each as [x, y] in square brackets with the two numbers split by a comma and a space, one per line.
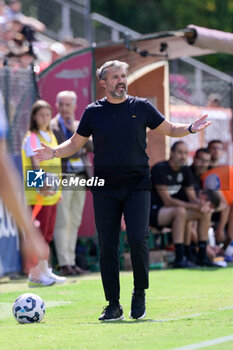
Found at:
[175, 216]
[230, 224]
[203, 225]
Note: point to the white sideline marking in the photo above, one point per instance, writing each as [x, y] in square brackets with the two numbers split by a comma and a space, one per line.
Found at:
[6, 308]
[193, 315]
[206, 343]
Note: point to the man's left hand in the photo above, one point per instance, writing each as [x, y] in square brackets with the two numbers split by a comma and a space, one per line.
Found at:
[200, 124]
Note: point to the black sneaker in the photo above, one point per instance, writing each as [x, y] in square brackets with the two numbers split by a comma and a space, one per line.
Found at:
[138, 305]
[205, 262]
[183, 264]
[112, 312]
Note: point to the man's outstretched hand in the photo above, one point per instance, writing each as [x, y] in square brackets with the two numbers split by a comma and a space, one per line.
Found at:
[200, 124]
[43, 153]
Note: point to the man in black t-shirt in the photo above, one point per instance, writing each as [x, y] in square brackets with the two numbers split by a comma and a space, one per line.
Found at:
[201, 163]
[118, 126]
[169, 178]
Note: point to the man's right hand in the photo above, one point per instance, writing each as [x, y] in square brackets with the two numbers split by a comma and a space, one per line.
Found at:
[44, 153]
[206, 208]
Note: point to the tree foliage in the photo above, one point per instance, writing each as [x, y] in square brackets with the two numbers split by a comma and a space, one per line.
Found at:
[148, 16]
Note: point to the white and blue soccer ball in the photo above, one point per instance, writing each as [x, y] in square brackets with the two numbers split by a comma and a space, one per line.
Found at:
[28, 308]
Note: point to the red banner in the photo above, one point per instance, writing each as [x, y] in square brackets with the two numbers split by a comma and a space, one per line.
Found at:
[72, 72]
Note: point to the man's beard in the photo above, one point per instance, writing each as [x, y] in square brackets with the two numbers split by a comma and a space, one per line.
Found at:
[119, 95]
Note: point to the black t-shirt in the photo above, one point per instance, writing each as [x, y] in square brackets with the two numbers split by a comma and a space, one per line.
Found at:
[163, 174]
[196, 183]
[119, 137]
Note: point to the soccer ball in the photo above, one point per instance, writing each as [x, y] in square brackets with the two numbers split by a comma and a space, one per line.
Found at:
[28, 308]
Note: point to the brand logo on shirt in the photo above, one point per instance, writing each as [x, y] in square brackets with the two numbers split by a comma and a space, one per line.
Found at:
[35, 178]
[179, 177]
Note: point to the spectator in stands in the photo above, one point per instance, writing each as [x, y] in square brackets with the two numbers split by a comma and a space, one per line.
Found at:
[168, 178]
[74, 44]
[33, 246]
[14, 13]
[42, 200]
[58, 50]
[21, 54]
[3, 19]
[20, 44]
[216, 150]
[70, 210]
[25, 30]
[214, 100]
[14, 8]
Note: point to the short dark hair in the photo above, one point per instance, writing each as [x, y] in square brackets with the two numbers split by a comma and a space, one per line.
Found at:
[201, 150]
[213, 197]
[177, 143]
[214, 141]
[102, 71]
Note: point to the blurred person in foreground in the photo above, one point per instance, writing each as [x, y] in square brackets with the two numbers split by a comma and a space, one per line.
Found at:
[33, 245]
[118, 125]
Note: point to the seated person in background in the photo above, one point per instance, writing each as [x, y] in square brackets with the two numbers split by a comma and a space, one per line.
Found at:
[168, 177]
[191, 235]
[201, 163]
[221, 179]
[216, 150]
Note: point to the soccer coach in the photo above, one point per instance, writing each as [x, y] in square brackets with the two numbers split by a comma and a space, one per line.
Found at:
[118, 125]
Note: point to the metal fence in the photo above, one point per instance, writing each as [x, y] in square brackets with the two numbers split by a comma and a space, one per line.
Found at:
[63, 18]
[19, 91]
[192, 82]
[72, 18]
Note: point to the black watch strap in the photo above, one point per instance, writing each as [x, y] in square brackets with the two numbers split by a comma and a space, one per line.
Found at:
[190, 129]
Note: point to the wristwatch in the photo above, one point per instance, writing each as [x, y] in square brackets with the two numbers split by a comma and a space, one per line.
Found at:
[54, 151]
[190, 129]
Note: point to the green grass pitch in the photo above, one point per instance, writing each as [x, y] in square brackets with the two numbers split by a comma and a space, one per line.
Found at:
[184, 307]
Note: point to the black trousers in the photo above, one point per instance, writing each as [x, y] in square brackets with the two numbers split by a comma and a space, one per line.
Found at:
[109, 206]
